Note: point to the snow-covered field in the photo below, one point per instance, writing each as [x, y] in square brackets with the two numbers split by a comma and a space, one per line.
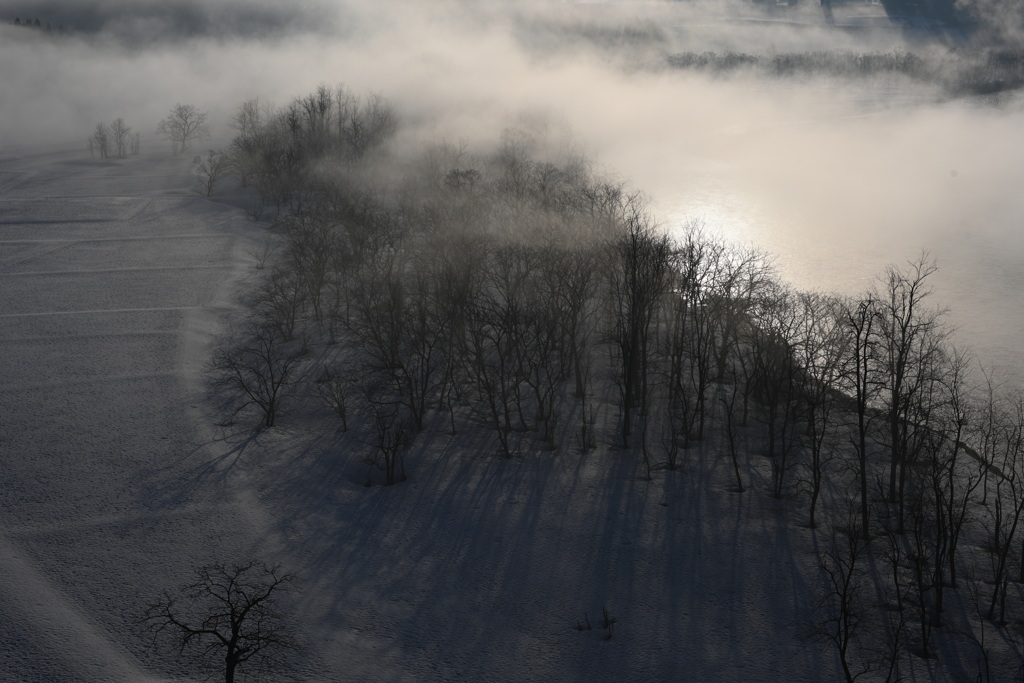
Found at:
[116, 480]
[110, 277]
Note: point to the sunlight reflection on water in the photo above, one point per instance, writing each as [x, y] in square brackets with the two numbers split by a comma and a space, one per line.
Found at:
[981, 258]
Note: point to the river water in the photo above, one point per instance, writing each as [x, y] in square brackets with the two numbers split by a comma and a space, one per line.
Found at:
[837, 193]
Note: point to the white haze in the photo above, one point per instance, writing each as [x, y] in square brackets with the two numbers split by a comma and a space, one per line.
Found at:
[835, 178]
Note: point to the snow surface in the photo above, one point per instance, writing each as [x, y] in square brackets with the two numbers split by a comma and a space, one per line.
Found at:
[116, 481]
[110, 272]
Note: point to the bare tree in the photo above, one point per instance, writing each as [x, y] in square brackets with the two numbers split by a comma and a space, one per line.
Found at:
[840, 606]
[820, 353]
[742, 275]
[281, 300]
[577, 308]
[1008, 502]
[99, 141]
[555, 328]
[391, 435]
[313, 237]
[457, 273]
[957, 477]
[896, 595]
[184, 124]
[250, 117]
[263, 252]
[119, 131]
[259, 369]
[495, 320]
[909, 342]
[771, 341]
[370, 125]
[227, 614]
[858, 379]
[335, 392]
[728, 395]
[316, 112]
[638, 275]
[926, 557]
[984, 436]
[250, 122]
[208, 169]
[395, 324]
[345, 105]
[692, 318]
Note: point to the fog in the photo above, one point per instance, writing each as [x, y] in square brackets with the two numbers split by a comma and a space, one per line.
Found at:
[460, 65]
[142, 22]
[835, 176]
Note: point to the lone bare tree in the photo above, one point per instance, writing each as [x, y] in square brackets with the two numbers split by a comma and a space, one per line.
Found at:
[184, 124]
[259, 369]
[228, 613]
[208, 170]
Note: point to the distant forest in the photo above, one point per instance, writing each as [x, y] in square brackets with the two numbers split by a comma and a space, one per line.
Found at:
[38, 25]
[957, 73]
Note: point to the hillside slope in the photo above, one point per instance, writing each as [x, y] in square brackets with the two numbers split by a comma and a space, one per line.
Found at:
[119, 476]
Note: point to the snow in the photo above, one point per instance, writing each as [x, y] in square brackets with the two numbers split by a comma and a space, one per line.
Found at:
[103, 266]
[118, 479]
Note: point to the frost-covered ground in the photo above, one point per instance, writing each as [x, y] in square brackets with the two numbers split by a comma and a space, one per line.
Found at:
[110, 273]
[116, 480]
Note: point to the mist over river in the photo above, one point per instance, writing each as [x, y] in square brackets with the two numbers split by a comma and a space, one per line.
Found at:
[835, 175]
[877, 184]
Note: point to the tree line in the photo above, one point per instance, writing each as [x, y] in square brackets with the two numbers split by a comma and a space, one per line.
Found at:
[38, 25]
[183, 125]
[113, 140]
[517, 291]
[966, 71]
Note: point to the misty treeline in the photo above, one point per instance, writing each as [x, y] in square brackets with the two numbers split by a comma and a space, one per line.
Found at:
[281, 152]
[36, 24]
[115, 139]
[518, 301]
[957, 72]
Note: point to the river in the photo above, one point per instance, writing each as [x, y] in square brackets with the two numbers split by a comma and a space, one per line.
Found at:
[835, 196]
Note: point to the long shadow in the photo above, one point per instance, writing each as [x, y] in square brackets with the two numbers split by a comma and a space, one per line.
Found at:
[476, 561]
